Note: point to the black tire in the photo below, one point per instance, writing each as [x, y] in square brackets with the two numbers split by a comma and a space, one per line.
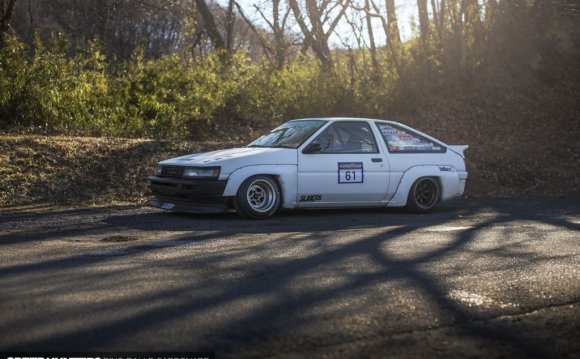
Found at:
[258, 198]
[424, 195]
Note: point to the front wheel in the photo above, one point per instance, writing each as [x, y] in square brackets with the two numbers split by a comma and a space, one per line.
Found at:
[424, 195]
[258, 197]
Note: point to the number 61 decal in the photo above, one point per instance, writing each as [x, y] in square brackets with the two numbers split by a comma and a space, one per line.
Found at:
[350, 172]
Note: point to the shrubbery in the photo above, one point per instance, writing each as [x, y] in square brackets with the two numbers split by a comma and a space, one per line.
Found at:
[59, 90]
[54, 88]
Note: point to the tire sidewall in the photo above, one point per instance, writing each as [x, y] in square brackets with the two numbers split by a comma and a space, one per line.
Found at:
[242, 206]
[412, 204]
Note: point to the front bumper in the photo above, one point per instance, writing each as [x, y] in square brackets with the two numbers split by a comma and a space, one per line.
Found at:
[193, 196]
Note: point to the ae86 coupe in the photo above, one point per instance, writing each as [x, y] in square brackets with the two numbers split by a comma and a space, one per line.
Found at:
[316, 163]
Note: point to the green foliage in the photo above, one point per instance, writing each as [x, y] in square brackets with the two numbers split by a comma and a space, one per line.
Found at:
[55, 92]
[14, 73]
[56, 89]
[59, 90]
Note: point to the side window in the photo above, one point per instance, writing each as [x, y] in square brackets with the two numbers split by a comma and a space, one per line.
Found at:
[347, 137]
[400, 140]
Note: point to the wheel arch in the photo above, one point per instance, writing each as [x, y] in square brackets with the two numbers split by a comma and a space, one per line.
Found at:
[284, 175]
[446, 176]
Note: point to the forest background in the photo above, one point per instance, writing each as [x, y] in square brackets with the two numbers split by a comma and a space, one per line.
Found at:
[142, 80]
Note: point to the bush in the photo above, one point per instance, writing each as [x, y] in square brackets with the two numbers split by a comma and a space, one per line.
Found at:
[58, 90]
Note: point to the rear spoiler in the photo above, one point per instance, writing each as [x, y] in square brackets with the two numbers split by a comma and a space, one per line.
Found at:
[459, 149]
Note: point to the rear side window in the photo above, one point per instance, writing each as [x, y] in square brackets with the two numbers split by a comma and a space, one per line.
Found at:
[402, 140]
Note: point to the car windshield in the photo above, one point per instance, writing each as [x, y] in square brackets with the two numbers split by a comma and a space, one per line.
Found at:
[290, 135]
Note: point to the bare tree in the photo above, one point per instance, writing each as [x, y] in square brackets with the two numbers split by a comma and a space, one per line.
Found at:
[423, 21]
[319, 14]
[278, 28]
[470, 10]
[372, 45]
[210, 26]
[261, 35]
[459, 57]
[393, 26]
[276, 43]
[229, 23]
[490, 9]
[6, 10]
[391, 31]
[438, 8]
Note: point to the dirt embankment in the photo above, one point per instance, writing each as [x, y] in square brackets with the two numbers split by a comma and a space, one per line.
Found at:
[69, 170]
[523, 133]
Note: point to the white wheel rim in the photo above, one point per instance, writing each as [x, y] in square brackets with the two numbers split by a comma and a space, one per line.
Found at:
[261, 196]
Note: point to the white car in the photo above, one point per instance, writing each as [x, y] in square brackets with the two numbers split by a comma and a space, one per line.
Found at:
[316, 163]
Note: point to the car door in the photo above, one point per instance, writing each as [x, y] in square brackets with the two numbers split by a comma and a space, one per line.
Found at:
[342, 166]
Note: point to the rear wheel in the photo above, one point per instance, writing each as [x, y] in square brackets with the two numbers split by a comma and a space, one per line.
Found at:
[424, 195]
[258, 197]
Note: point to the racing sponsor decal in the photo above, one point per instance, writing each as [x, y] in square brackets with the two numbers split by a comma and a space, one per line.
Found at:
[388, 131]
[405, 137]
[417, 148]
[350, 172]
[310, 197]
[108, 355]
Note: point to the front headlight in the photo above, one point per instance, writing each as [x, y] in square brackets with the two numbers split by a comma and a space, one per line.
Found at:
[203, 172]
[158, 170]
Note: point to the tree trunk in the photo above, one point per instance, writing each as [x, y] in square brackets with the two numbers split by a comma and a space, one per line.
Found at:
[490, 8]
[210, 26]
[435, 14]
[393, 27]
[457, 14]
[312, 36]
[264, 42]
[195, 33]
[280, 46]
[442, 18]
[373, 49]
[315, 16]
[5, 17]
[230, 22]
[395, 54]
[423, 21]
[471, 13]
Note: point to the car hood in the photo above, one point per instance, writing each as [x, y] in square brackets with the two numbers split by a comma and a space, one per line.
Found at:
[231, 159]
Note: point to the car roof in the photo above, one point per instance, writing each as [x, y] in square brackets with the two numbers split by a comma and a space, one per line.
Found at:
[343, 119]
[361, 119]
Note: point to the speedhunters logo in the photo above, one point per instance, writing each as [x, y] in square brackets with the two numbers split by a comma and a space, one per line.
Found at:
[191, 355]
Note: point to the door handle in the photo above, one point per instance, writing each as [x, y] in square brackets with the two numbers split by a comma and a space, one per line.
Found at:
[377, 159]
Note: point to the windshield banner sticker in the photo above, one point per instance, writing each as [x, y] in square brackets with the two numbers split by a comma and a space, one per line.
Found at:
[350, 172]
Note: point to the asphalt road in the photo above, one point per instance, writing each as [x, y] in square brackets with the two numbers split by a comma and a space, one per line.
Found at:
[477, 278]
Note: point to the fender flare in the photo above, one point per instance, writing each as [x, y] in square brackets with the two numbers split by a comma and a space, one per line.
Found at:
[285, 175]
[445, 174]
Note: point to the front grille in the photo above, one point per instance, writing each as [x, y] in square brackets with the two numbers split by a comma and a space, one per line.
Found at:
[171, 171]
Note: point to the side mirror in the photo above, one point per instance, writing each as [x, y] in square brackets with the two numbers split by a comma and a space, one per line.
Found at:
[312, 148]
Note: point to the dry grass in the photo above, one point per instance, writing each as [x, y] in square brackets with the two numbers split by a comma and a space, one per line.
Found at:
[71, 170]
